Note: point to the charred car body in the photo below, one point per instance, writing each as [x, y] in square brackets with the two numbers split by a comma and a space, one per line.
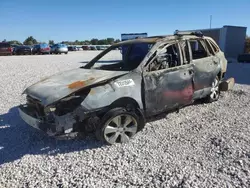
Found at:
[114, 99]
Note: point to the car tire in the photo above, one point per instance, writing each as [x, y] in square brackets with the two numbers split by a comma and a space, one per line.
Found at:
[215, 91]
[66, 52]
[119, 125]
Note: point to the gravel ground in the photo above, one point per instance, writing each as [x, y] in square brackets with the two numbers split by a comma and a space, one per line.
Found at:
[203, 145]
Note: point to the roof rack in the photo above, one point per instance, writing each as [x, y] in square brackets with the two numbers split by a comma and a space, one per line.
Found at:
[182, 33]
[158, 36]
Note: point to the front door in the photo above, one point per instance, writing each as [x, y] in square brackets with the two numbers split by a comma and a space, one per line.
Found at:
[170, 86]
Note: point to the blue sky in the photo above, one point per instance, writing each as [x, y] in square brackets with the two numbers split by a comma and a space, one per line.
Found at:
[85, 19]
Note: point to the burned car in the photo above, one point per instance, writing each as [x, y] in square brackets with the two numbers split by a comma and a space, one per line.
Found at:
[114, 99]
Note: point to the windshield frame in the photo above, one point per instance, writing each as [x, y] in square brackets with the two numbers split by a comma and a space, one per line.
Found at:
[130, 43]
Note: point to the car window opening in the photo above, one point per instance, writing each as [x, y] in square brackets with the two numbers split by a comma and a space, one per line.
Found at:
[214, 46]
[210, 50]
[198, 50]
[165, 58]
[129, 59]
[185, 52]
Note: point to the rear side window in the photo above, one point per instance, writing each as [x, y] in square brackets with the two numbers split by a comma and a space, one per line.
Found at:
[209, 47]
[198, 50]
[4, 45]
[214, 46]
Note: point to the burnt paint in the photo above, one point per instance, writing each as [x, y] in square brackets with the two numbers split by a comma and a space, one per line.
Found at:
[168, 89]
[205, 71]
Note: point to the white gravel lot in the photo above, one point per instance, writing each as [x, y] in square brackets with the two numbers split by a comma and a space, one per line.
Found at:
[204, 145]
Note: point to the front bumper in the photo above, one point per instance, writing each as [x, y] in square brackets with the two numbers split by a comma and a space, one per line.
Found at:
[27, 116]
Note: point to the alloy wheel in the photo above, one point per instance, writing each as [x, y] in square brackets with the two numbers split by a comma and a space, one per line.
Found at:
[120, 129]
[215, 90]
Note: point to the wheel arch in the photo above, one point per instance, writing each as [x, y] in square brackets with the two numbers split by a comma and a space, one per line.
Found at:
[125, 102]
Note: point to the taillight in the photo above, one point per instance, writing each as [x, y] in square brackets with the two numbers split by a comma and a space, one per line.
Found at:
[10, 49]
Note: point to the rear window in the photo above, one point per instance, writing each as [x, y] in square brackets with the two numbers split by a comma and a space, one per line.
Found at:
[44, 45]
[4, 45]
[62, 45]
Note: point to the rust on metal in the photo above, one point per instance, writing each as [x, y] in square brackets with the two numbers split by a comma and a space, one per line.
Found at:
[77, 84]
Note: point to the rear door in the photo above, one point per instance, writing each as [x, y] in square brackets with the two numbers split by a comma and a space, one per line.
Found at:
[168, 83]
[206, 67]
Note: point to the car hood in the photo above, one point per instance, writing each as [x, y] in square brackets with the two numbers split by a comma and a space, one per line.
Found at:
[60, 85]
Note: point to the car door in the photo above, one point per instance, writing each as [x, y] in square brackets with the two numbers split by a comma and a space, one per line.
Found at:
[35, 49]
[206, 67]
[167, 87]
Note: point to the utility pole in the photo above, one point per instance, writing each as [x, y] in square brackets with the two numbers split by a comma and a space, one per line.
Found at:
[210, 21]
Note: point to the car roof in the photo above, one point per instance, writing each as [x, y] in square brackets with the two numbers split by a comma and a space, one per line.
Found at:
[163, 38]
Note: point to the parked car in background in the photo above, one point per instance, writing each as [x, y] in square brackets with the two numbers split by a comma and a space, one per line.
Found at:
[98, 47]
[93, 48]
[5, 48]
[14, 47]
[59, 48]
[41, 49]
[157, 74]
[244, 58]
[72, 48]
[79, 48]
[23, 50]
[85, 47]
[103, 47]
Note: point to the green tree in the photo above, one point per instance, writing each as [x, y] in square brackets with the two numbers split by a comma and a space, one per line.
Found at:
[51, 42]
[30, 41]
[102, 42]
[76, 42]
[110, 40]
[94, 41]
[16, 42]
[86, 42]
[117, 40]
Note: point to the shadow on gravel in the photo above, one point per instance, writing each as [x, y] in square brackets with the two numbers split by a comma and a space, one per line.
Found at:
[165, 114]
[18, 139]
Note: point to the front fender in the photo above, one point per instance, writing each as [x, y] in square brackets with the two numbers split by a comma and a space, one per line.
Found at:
[104, 95]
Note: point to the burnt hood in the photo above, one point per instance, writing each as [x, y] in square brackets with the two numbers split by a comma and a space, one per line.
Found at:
[60, 85]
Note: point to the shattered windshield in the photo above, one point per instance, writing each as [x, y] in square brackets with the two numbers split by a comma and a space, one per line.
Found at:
[121, 58]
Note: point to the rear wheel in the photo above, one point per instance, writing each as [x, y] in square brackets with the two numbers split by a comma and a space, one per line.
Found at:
[215, 91]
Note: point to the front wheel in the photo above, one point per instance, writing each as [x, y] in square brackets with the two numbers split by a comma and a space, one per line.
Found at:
[118, 126]
[215, 91]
